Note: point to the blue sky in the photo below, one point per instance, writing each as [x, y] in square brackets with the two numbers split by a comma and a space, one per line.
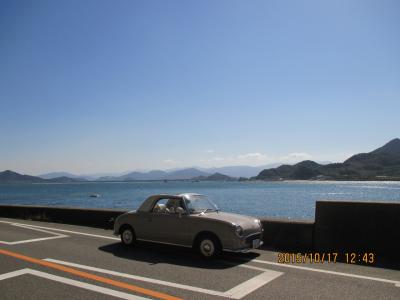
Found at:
[90, 86]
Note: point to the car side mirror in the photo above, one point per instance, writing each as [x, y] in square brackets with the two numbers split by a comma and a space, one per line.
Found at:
[180, 211]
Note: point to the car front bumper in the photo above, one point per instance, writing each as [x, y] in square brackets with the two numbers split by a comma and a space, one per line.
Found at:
[245, 244]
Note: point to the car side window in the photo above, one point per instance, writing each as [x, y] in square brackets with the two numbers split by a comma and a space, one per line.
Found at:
[168, 206]
[161, 207]
[173, 206]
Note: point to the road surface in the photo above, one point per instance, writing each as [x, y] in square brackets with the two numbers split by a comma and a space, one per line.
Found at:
[41, 260]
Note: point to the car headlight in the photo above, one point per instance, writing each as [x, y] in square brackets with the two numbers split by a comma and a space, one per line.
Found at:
[238, 230]
[258, 222]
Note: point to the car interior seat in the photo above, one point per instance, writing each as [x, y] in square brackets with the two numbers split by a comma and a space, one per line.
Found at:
[161, 208]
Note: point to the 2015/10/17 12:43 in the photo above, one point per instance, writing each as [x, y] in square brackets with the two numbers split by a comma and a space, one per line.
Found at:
[327, 257]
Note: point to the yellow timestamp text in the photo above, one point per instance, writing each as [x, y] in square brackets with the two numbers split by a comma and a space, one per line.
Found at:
[326, 257]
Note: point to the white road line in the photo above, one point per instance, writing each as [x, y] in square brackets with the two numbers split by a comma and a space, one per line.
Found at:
[66, 231]
[236, 292]
[139, 278]
[228, 263]
[252, 284]
[247, 267]
[31, 240]
[13, 274]
[397, 283]
[87, 286]
[55, 235]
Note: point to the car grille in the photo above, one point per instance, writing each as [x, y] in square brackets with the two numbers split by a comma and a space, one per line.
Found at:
[252, 237]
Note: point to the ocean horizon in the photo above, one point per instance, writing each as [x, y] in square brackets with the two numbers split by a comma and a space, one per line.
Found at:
[283, 199]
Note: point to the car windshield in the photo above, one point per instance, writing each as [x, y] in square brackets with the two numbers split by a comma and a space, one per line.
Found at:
[199, 204]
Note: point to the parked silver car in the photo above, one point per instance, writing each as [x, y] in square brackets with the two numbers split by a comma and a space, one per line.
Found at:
[189, 220]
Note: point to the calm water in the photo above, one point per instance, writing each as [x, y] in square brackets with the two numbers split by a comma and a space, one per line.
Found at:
[273, 199]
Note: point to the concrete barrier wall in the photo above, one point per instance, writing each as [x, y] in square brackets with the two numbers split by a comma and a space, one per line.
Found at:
[288, 234]
[345, 226]
[101, 218]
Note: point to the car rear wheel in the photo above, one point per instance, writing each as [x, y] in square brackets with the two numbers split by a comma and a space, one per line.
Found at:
[128, 237]
[208, 246]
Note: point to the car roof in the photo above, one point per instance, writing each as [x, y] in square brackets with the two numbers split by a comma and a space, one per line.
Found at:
[187, 195]
[148, 204]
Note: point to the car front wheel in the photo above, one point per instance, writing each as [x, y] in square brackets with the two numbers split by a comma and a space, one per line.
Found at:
[208, 246]
[128, 237]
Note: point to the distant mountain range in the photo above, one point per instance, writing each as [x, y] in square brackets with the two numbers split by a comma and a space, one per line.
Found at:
[54, 175]
[239, 171]
[186, 173]
[380, 164]
[215, 177]
[13, 177]
[157, 175]
[89, 177]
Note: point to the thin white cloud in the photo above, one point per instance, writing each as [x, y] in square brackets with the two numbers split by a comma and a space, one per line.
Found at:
[218, 158]
[252, 156]
[169, 161]
[209, 151]
[256, 159]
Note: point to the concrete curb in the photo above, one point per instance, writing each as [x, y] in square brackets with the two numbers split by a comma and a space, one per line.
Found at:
[100, 218]
[290, 235]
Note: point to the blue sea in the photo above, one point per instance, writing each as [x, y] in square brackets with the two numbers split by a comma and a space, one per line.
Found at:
[292, 199]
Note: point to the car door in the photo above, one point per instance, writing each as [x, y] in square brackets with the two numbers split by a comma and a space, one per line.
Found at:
[168, 227]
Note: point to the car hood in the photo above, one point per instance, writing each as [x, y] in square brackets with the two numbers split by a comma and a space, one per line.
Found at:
[246, 222]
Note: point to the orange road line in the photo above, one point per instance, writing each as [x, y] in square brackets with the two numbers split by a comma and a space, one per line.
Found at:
[76, 272]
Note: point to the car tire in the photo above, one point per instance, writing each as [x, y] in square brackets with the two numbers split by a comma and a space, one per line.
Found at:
[128, 237]
[208, 246]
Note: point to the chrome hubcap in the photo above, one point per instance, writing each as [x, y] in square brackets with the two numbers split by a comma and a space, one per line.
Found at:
[127, 236]
[207, 248]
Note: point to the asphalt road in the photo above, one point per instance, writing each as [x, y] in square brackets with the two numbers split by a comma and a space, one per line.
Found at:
[56, 261]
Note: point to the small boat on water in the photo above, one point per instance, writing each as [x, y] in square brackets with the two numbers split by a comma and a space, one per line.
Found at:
[94, 195]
